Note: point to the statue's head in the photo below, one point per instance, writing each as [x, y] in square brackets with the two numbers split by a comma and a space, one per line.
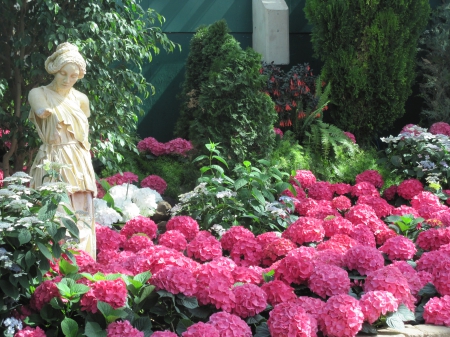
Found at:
[65, 53]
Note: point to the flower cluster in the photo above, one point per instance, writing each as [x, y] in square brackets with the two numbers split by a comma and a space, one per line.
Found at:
[363, 259]
[278, 132]
[320, 190]
[155, 183]
[351, 136]
[112, 292]
[437, 311]
[185, 224]
[278, 292]
[122, 328]
[175, 280]
[409, 188]
[230, 325]
[250, 300]
[43, 294]
[290, 319]
[399, 248]
[328, 280]
[139, 225]
[371, 176]
[440, 128]
[175, 146]
[173, 239]
[204, 248]
[376, 303]
[30, 332]
[305, 230]
[305, 177]
[201, 329]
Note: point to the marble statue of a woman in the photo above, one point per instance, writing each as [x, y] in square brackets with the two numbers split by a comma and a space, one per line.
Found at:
[60, 114]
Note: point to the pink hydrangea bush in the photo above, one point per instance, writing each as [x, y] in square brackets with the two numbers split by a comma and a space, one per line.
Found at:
[175, 146]
[155, 183]
[175, 280]
[139, 225]
[437, 311]
[278, 292]
[113, 292]
[371, 176]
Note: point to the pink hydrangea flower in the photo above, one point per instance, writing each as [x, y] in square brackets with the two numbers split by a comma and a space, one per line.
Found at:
[297, 266]
[204, 248]
[440, 128]
[265, 238]
[390, 278]
[138, 225]
[399, 248]
[175, 280]
[137, 243]
[329, 280]
[276, 250]
[338, 242]
[437, 311]
[409, 188]
[278, 292]
[201, 329]
[278, 132]
[312, 306]
[361, 214]
[246, 253]
[371, 176]
[363, 235]
[414, 281]
[380, 206]
[428, 260]
[376, 303]
[404, 210]
[305, 177]
[173, 239]
[250, 300]
[337, 225]
[290, 319]
[165, 333]
[43, 294]
[155, 183]
[108, 239]
[351, 136]
[321, 210]
[301, 208]
[185, 224]
[304, 230]
[151, 145]
[390, 192]
[342, 188]
[320, 190]
[233, 235]
[426, 203]
[341, 316]
[441, 276]
[425, 277]
[433, 238]
[229, 325]
[341, 203]
[363, 259]
[364, 188]
[30, 332]
[329, 256]
[247, 275]
[410, 128]
[122, 328]
[113, 292]
[178, 146]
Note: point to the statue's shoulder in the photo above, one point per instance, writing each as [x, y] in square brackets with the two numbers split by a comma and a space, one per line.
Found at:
[82, 97]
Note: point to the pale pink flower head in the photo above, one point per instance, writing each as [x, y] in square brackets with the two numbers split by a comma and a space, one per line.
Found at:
[376, 303]
[185, 224]
[277, 292]
[175, 280]
[290, 319]
[155, 183]
[380, 206]
[341, 316]
[305, 177]
[204, 248]
[371, 176]
[399, 248]
[351, 136]
[363, 259]
[165, 333]
[321, 190]
[337, 225]
[341, 203]
[364, 188]
[390, 192]
[390, 278]
[409, 188]
[229, 325]
[201, 329]
[250, 300]
[138, 225]
[30, 332]
[122, 328]
[329, 280]
[437, 311]
[305, 230]
[441, 128]
[173, 239]
[233, 235]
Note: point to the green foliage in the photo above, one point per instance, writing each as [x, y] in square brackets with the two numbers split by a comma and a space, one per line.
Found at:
[115, 37]
[288, 155]
[228, 105]
[407, 225]
[368, 49]
[434, 66]
[250, 200]
[30, 236]
[423, 156]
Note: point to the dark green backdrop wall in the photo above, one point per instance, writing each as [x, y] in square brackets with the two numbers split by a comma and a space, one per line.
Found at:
[183, 17]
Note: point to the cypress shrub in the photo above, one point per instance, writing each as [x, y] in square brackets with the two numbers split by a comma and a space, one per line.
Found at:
[368, 48]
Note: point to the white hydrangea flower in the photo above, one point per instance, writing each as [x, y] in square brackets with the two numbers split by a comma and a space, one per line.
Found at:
[147, 200]
[122, 193]
[129, 210]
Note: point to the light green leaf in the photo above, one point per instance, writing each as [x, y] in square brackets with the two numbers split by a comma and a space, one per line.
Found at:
[69, 327]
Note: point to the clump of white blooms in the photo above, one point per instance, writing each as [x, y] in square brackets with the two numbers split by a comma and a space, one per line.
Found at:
[130, 200]
[12, 324]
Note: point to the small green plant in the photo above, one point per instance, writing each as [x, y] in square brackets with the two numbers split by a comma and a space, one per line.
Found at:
[249, 200]
[407, 225]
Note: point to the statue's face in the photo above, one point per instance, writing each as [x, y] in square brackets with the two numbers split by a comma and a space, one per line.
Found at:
[67, 76]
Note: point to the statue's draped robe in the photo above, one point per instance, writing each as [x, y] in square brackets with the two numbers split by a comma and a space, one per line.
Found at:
[65, 140]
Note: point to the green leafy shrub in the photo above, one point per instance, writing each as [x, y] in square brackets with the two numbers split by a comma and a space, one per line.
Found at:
[249, 200]
[30, 236]
[288, 155]
[228, 105]
[368, 50]
[435, 66]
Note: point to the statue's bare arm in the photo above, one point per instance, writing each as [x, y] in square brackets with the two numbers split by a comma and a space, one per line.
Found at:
[84, 103]
[38, 103]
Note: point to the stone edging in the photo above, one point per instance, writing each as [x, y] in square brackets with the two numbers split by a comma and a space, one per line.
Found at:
[421, 330]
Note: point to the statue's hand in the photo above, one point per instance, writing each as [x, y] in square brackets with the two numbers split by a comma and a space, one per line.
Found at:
[43, 112]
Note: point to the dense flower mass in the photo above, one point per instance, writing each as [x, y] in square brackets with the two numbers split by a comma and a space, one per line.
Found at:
[278, 292]
[229, 325]
[43, 294]
[185, 224]
[290, 319]
[304, 230]
[233, 235]
[371, 176]
[341, 316]
[409, 188]
[250, 300]
[173, 239]
[304, 177]
[113, 292]
[363, 259]
[297, 266]
[337, 225]
[30, 332]
[175, 280]
[155, 183]
[440, 128]
[164, 334]
[399, 248]
[351, 136]
[122, 328]
[175, 146]
[201, 329]
[437, 311]
[204, 248]
[138, 225]
[376, 303]
[441, 276]
[320, 190]
[328, 280]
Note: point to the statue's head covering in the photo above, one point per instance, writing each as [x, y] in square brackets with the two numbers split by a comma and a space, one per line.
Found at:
[65, 53]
